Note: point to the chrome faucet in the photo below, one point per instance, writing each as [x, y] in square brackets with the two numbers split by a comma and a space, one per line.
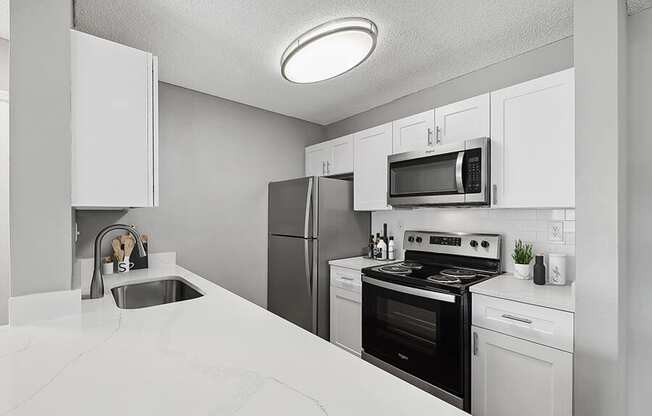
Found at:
[97, 284]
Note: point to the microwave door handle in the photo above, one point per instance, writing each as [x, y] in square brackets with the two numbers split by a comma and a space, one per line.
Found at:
[458, 172]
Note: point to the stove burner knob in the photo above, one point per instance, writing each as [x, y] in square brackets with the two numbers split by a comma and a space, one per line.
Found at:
[411, 239]
[474, 243]
[419, 239]
[485, 244]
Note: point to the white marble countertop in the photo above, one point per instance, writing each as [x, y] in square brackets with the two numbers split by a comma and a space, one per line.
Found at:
[215, 355]
[359, 263]
[509, 287]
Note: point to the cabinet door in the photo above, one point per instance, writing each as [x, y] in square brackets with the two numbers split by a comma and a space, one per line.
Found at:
[414, 132]
[114, 131]
[533, 143]
[371, 148]
[463, 120]
[342, 156]
[316, 158]
[513, 377]
[346, 319]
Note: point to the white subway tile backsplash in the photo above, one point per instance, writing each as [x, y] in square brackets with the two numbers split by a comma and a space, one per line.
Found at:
[525, 224]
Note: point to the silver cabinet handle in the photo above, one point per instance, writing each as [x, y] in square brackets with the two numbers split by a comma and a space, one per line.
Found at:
[494, 194]
[516, 318]
[429, 136]
[475, 343]
[328, 167]
[323, 168]
[346, 278]
[438, 135]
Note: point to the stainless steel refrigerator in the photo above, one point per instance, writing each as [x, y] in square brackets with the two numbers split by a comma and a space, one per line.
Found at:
[311, 221]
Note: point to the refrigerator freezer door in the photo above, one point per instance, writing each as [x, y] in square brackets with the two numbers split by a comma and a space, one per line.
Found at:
[291, 291]
[290, 207]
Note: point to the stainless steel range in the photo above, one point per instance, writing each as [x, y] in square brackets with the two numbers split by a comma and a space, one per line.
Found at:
[416, 314]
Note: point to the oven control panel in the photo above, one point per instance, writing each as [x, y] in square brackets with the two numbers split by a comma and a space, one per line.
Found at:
[460, 244]
[446, 241]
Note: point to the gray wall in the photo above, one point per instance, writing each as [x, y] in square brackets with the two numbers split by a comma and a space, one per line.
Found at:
[542, 61]
[40, 214]
[600, 353]
[640, 220]
[216, 158]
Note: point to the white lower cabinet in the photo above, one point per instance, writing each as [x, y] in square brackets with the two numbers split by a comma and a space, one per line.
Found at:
[346, 309]
[514, 377]
[521, 359]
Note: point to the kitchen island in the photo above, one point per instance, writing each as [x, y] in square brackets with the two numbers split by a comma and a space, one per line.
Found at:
[214, 355]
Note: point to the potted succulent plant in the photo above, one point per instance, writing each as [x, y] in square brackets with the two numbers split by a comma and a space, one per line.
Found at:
[522, 256]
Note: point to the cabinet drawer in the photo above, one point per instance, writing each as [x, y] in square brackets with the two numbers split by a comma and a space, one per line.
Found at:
[534, 323]
[346, 279]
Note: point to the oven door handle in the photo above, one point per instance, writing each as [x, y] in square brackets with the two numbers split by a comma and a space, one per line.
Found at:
[444, 297]
[459, 165]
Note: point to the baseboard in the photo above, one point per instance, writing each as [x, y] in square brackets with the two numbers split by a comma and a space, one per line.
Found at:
[27, 309]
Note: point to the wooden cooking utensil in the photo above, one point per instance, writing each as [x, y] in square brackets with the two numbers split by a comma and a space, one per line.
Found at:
[129, 247]
[117, 249]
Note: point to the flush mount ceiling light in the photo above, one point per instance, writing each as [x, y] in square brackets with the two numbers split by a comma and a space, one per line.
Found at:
[329, 50]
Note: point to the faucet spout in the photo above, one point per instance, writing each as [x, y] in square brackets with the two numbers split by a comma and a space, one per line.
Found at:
[97, 282]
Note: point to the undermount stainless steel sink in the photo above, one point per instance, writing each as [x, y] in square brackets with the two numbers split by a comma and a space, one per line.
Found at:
[143, 295]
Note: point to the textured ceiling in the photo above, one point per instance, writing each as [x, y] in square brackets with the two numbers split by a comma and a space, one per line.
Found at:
[635, 6]
[232, 48]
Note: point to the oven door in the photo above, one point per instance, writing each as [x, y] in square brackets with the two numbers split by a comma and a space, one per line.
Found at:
[415, 333]
[455, 174]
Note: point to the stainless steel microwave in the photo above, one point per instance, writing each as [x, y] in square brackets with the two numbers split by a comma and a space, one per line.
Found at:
[455, 174]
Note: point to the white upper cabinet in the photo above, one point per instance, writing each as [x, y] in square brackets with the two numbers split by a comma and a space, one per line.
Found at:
[316, 157]
[415, 132]
[533, 143]
[463, 120]
[371, 148]
[114, 124]
[334, 157]
[342, 155]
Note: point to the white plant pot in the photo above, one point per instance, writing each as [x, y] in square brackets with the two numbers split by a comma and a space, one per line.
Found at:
[522, 271]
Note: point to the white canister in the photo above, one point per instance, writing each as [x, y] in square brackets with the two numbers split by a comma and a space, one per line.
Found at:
[557, 269]
[107, 268]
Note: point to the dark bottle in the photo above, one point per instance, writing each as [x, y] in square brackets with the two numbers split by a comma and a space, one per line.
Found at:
[371, 248]
[539, 271]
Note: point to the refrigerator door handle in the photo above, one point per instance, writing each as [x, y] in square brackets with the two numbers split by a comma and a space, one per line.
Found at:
[306, 225]
[306, 255]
